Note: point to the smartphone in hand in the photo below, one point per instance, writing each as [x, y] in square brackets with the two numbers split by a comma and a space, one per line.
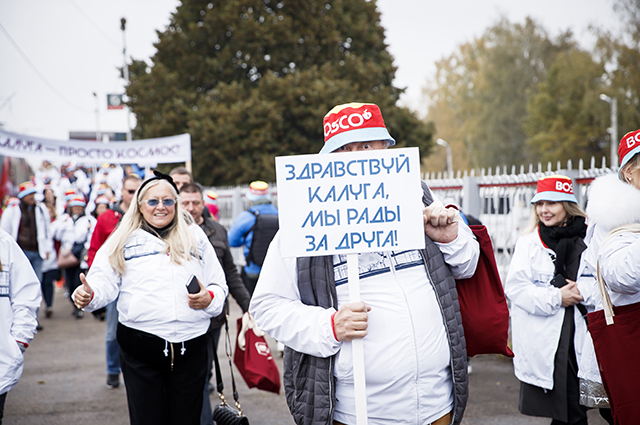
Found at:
[193, 287]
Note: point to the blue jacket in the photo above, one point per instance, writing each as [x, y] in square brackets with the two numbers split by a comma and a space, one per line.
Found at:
[238, 235]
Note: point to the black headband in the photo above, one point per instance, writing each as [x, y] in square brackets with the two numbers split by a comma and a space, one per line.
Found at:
[159, 176]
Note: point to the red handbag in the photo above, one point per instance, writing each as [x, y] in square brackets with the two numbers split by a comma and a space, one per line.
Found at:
[616, 338]
[483, 306]
[255, 363]
[617, 347]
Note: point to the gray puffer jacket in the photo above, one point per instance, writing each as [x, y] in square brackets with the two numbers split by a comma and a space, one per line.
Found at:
[309, 381]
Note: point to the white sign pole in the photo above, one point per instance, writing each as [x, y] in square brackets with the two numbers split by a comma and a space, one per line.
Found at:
[357, 345]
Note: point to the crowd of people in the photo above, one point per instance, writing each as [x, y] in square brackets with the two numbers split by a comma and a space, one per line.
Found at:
[116, 236]
[97, 235]
[553, 284]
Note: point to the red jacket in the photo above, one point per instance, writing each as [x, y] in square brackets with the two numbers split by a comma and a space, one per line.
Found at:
[107, 222]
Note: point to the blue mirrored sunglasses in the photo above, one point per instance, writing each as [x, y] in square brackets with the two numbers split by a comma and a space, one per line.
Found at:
[168, 202]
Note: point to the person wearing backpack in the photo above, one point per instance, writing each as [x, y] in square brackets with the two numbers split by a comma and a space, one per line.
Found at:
[254, 228]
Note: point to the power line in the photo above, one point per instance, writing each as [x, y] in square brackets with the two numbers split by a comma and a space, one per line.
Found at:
[107, 36]
[38, 73]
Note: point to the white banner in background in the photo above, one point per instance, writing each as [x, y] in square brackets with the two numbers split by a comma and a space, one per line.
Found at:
[146, 151]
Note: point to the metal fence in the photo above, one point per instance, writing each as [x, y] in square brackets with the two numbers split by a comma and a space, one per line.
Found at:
[499, 198]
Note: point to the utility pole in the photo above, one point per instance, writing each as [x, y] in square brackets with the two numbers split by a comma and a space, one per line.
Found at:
[125, 71]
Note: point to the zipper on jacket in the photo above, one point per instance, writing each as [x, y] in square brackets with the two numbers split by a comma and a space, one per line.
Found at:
[444, 322]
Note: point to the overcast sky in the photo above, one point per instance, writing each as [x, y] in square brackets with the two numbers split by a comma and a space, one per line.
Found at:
[70, 49]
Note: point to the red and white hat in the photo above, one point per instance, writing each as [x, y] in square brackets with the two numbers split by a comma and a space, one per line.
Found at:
[77, 201]
[102, 200]
[629, 146]
[210, 197]
[69, 194]
[102, 189]
[555, 188]
[26, 188]
[258, 190]
[353, 122]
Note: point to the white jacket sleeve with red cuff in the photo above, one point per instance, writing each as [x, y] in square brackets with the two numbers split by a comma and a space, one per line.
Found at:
[277, 309]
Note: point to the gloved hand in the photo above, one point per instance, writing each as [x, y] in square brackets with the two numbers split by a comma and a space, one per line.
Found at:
[247, 323]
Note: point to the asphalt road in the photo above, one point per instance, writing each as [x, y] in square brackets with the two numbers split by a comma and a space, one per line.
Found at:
[64, 382]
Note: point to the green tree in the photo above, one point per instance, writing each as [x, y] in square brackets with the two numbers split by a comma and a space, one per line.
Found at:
[622, 57]
[629, 12]
[566, 119]
[252, 80]
[480, 93]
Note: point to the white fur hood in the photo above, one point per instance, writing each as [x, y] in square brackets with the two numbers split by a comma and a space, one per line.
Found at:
[612, 202]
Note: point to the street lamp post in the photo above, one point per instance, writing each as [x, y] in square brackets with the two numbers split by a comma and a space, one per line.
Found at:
[449, 157]
[613, 130]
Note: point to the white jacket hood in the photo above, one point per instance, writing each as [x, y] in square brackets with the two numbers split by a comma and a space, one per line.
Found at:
[613, 202]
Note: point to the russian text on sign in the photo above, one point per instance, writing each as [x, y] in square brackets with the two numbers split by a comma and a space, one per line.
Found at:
[354, 168]
[375, 205]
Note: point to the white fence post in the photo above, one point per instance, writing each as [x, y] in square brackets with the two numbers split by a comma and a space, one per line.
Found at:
[471, 202]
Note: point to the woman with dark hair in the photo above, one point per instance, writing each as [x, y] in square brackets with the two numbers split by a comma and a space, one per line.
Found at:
[169, 283]
[546, 324]
[102, 205]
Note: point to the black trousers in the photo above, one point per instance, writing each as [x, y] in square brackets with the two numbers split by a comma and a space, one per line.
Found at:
[164, 382]
[562, 403]
[47, 285]
[249, 281]
[72, 280]
[3, 397]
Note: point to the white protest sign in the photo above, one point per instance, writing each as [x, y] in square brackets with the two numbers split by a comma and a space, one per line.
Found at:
[350, 202]
[147, 151]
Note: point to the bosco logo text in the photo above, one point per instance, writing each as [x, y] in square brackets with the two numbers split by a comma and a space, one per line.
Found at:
[632, 140]
[564, 187]
[346, 122]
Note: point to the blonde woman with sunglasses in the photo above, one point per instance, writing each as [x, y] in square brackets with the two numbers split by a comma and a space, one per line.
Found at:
[148, 263]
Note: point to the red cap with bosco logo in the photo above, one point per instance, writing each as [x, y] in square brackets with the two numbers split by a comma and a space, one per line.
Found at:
[555, 188]
[353, 122]
[629, 146]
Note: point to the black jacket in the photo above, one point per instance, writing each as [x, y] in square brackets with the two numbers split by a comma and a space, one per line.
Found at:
[218, 237]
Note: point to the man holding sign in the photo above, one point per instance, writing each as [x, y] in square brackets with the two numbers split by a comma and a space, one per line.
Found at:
[408, 318]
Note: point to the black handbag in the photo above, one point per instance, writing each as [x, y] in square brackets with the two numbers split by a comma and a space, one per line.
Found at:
[223, 414]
